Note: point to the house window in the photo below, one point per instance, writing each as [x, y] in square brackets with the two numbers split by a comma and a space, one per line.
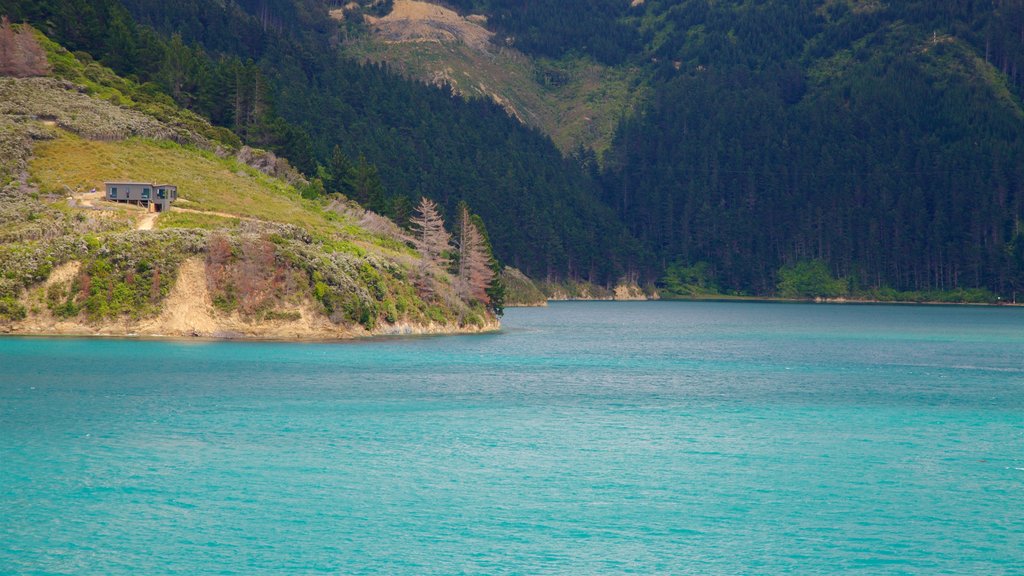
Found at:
[113, 192]
[145, 193]
[161, 193]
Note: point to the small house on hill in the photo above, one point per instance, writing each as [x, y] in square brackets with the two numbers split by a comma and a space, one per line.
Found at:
[154, 197]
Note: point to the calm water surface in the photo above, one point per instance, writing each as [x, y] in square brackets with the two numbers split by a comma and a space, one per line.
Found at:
[586, 438]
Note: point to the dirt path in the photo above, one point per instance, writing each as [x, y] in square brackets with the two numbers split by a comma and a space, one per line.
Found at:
[212, 213]
[85, 199]
[147, 220]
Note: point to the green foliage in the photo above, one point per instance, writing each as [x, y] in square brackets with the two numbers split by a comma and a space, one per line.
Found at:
[364, 186]
[170, 220]
[688, 281]
[128, 274]
[882, 138]
[255, 268]
[809, 279]
[314, 190]
[437, 315]
[226, 300]
[338, 175]
[957, 296]
[11, 309]
[103, 83]
[520, 290]
[61, 301]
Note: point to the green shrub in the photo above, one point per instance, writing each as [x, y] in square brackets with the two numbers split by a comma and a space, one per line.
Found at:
[809, 279]
[437, 314]
[681, 280]
[11, 309]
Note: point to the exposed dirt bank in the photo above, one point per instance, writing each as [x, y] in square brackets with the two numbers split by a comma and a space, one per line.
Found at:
[188, 312]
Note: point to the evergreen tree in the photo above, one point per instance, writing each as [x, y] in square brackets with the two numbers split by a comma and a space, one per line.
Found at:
[20, 52]
[340, 174]
[431, 238]
[366, 186]
[475, 271]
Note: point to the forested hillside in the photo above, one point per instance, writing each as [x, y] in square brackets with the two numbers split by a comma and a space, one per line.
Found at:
[555, 28]
[884, 139]
[880, 144]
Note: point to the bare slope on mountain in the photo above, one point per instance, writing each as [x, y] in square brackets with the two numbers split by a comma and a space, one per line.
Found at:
[576, 102]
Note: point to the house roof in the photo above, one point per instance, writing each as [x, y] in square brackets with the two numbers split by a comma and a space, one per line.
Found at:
[150, 184]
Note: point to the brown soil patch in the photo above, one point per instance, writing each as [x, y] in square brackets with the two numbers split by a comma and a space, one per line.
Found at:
[629, 291]
[147, 220]
[416, 21]
[188, 309]
[63, 274]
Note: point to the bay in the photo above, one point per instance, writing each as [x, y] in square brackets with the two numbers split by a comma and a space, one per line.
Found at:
[585, 438]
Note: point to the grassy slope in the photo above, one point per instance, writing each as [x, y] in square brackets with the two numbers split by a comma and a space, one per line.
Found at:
[205, 182]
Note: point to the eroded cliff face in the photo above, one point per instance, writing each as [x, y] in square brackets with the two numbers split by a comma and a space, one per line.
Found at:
[189, 312]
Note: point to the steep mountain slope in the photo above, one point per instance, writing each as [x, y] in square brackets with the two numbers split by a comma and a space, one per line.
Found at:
[577, 101]
[240, 254]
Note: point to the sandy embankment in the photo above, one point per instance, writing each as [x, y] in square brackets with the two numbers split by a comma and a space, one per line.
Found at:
[188, 312]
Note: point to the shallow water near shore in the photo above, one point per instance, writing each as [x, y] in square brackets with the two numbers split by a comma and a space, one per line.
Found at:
[585, 438]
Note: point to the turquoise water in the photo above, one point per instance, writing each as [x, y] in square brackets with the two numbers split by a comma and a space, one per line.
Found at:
[586, 438]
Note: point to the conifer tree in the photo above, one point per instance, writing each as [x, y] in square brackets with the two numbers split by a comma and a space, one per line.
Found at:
[20, 52]
[431, 238]
[8, 48]
[475, 273]
[341, 173]
[366, 186]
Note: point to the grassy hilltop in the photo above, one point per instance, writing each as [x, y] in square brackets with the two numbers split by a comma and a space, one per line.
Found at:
[240, 254]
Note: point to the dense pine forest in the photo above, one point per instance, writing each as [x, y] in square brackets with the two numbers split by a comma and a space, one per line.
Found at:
[879, 145]
[886, 140]
[595, 28]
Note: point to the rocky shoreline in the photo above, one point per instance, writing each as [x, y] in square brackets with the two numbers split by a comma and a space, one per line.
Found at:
[188, 312]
